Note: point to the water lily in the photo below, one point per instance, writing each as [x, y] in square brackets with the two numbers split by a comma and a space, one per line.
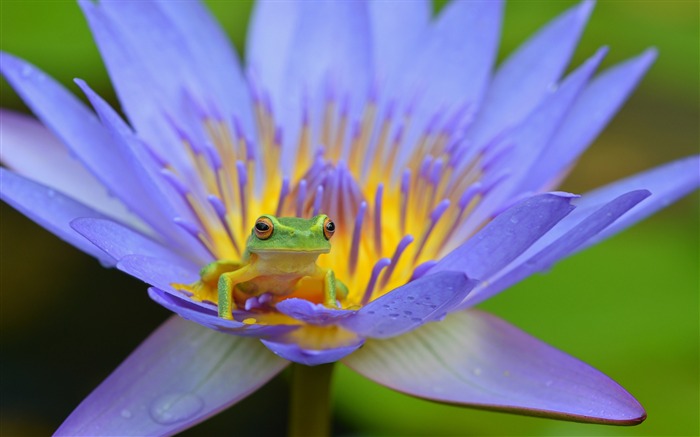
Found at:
[436, 167]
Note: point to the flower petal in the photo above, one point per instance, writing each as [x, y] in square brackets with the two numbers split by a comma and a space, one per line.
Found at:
[330, 50]
[158, 272]
[507, 236]
[308, 312]
[592, 111]
[50, 209]
[523, 79]
[311, 357]
[119, 241]
[475, 359]
[427, 299]
[76, 127]
[181, 375]
[265, 49]
[389, 19]
[30, 149]
[588, 228]
[667, 183]
[206, 315]
[141, 40]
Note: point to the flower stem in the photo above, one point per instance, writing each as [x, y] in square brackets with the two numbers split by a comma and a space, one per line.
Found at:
[309, 412]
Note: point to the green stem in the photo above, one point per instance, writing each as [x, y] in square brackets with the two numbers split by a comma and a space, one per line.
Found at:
[310, 407]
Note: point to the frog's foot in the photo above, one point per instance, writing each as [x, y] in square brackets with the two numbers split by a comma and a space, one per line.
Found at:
[199, 291]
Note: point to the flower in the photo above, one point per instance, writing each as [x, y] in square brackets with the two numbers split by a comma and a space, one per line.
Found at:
[438, 188]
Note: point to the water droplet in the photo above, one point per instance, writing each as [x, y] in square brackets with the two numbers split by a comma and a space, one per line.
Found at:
[175, 407]
[385, 306]
[416, 319]
[370, 312]
[408, 313]
[126, 414]
[411, 298]
[514, 220]
[393, 316]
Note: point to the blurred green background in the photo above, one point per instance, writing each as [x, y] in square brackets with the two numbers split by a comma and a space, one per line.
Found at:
[628, 306]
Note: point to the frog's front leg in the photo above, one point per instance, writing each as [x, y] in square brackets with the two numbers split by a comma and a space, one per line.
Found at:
[227, 282]
[333, 289]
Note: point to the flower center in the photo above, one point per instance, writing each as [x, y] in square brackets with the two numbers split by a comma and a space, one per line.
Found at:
[401, 195]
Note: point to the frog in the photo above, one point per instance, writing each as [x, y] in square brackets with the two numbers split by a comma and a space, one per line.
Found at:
[280, 259]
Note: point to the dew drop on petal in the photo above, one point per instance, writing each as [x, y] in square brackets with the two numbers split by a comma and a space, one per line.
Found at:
[175, 407]
[26, 71]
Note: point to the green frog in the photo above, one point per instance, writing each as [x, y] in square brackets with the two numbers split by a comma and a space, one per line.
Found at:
[280, 259]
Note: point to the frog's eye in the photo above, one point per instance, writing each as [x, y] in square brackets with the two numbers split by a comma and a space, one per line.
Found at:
[263, 228]
[328, 228]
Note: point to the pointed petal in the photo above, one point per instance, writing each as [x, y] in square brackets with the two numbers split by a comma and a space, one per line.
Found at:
[178, 377]
[389, 19]
[507, 236]
[531, 137]
[206, 315]
[159, 202]
[265, 50]
[580, 235]
[596, 106]
[75, 126]
[31, 150]
[667, 184]
[50, 209]
[158, 272]
[289, 350]
[475, 359]
[149, 51]
[427, 299]
[523, 79]
[330, 50]
[462, 43]
[119, 241]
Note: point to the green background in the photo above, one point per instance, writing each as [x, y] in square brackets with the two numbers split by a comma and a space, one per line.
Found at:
[628, 306]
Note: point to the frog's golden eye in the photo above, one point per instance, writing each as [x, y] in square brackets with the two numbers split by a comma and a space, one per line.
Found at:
[328, 228]
[263, 228]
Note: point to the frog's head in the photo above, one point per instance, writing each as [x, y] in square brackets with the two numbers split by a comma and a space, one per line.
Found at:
[291, 234]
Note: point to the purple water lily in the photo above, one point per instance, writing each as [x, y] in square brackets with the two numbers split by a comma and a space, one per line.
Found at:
[435, 166]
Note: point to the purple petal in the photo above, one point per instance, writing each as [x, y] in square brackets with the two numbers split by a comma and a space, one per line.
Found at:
[139, 41]
[565, 245]
[523, 79]
[475, 359]
[389, 19]
[181, 375]
[531, 137]
[75, 126]
[206, 315]
[315, 314]
[265, 50]
[596, 106]
[667, 184]
[158, 272]
[462, 42]
[50, 209]
[330, 47]
[159, 203]
[427, 299]
[507, 236]
[290, 350]
[31, 150]
[119, 241]
[210, 51]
